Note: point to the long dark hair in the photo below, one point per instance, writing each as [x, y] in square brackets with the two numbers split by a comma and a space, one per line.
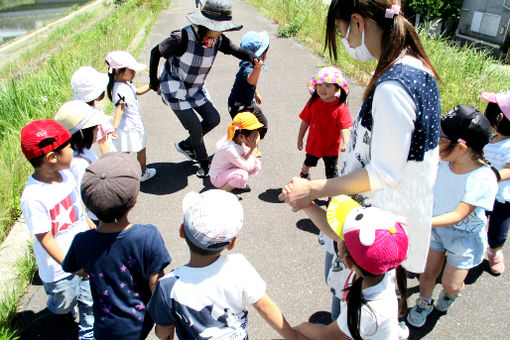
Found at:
[340, 101]
[398, 34]
[111, 81]
[501, 125]
[82, 139]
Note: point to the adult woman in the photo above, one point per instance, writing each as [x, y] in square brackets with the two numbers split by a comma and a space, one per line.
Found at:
[392, 157]
[190, 53]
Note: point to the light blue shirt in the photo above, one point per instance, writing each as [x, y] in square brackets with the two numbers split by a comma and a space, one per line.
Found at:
[499, 155]
[478, 188]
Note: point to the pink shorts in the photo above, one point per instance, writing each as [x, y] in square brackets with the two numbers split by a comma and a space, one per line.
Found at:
[234, 176]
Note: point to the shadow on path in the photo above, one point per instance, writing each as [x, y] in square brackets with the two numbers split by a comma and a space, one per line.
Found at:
[46, 325]
[307, 225]
[170, 178]
[271, 195]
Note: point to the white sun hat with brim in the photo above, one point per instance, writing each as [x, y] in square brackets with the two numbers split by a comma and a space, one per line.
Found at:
[77, 115]
[216, 15]
[123, 59]
[88, 84]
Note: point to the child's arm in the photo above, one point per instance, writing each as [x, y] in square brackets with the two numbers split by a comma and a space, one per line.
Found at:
[321, 332]
[153, 279]
[346, 134]
[318, 217]
[253, 78]
[274, 317]
[119, 110]
[165, 332]
[103, 145]
[142, 89]
[258, 97]
[51, 246]
[505, 172]
[453, 217]
[302, 130]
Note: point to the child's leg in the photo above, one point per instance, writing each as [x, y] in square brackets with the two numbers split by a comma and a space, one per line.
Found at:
[499, 224]
[435, 260]
[62, 294]
[331, 166]
[86, 312]
[230, 179]
[453, 279]
[261, 118]
[142, 159]
[310, 162]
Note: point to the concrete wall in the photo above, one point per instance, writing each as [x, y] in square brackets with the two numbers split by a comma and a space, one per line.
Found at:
[491, 9]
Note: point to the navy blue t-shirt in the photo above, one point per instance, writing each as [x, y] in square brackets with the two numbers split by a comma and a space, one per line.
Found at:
[119, 266]
[242, 91]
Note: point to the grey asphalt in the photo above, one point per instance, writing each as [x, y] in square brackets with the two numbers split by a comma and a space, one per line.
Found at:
[281, 245]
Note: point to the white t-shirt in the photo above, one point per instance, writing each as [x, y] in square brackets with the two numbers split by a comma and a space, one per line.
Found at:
[57, 208]
[498, 154]
[207, 302]
[78, 166]
[478, 188]
[380, 321]
[131, 119]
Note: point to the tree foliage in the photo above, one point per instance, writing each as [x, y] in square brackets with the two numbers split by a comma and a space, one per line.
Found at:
[433, 9]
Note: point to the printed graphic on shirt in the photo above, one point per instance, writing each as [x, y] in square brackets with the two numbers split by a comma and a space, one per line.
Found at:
[64, 214]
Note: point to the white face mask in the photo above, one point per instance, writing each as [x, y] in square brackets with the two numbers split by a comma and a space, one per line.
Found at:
[361, 52]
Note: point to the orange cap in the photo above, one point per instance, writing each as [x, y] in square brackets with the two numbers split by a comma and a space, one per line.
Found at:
[245, 121]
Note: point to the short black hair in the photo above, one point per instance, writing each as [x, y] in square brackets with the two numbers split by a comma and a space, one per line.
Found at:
[38, 161]
[492, 113]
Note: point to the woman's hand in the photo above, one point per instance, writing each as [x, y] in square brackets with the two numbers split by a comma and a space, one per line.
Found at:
[297, 193]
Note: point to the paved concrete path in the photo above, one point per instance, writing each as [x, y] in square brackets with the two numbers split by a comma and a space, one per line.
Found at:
[282, 245]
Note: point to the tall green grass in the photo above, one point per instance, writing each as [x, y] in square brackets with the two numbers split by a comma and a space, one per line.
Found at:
[465, 72]
[37, 94]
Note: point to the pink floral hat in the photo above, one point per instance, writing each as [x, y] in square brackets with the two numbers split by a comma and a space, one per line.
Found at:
[502, 99]
[328, 75]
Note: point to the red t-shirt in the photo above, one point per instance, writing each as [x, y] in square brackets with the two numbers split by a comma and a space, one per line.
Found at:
[326, 120]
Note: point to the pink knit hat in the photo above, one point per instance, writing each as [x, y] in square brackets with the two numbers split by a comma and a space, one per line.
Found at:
[328, 75]
[375, 238]
[502, 99]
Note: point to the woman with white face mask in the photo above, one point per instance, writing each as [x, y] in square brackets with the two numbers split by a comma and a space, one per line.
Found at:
[391, 160]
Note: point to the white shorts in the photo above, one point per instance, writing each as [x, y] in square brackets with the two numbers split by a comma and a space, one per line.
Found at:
[130, 141]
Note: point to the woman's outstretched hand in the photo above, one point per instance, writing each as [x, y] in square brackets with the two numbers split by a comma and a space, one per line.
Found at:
[297, 193]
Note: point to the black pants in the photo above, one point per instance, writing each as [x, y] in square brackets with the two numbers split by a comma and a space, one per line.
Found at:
[499, 223]
[234, 108]
[196, 128]
[330, 164]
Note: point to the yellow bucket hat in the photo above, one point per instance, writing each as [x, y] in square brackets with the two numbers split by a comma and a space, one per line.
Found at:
[244, 121]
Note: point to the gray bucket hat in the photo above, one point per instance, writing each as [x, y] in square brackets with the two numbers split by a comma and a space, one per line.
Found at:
[216, 15]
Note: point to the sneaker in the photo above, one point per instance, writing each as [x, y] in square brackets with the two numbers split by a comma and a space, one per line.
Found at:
[444, 301]
[403, 331]
[496, 262]
[148, 174]
[305, 176]
[417, 316]
[190, 154]
[201, 173]
[241, 190]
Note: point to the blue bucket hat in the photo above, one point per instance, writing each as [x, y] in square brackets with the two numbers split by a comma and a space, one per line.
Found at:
[257, 42]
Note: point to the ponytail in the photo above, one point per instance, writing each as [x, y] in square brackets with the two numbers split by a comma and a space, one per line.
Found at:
[399, 36]
[355, 300]
[109, 87]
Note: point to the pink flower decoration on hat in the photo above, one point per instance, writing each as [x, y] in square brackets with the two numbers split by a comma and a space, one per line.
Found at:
[328, 75]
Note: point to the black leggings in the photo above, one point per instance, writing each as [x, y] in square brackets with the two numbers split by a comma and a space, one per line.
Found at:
[330, 164]
[499, 223]
[198, 129]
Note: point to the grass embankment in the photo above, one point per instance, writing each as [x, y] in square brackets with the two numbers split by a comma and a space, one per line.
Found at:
[464, 72]
[31, 90]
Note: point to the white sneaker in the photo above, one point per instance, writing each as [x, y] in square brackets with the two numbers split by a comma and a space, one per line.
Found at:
[148, 174]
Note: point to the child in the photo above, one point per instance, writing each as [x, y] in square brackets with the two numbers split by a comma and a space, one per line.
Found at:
[82, 122]
[204, 298]
[235, 158]
[124, 260]
[127, 121]
[497, 152]
[190, 53]
[329, 120]
[372, 242]
[244, 95]
[54, 214]
[465, 188]
[89, 86]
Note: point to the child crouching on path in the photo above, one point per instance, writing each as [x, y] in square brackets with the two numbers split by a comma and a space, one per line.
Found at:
[372, 242]
[204, 298]
[497, 152]
[328, 121]
[124, 260]
[235, 158]
[127, 121]
[54, 213]
[465, 189]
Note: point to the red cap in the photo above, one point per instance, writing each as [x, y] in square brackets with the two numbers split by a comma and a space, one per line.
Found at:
[39, 130]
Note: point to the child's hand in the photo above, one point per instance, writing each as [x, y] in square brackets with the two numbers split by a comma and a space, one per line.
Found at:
[258, 63]
[258, 97]
[253, 141]
[82, 273]
[300, 144]
[343, 147]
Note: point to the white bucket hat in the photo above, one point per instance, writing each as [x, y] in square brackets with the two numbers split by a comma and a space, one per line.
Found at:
[216, 15]
[77, 115]
[88, 84]
[121, 59]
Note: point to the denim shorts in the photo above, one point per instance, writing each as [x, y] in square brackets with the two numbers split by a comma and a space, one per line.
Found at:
[464, 249]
